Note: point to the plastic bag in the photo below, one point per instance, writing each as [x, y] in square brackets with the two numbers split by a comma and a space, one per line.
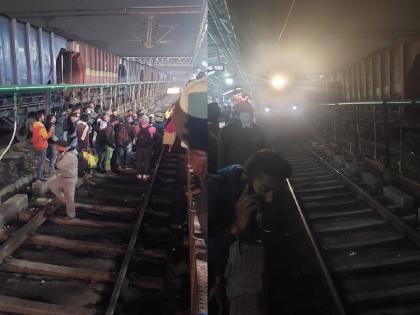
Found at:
[91, 159]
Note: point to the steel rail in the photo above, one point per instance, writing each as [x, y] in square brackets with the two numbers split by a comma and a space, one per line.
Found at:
[15, 241]
[123, 271]
[333, 290]
[382, 210]
[388, 102]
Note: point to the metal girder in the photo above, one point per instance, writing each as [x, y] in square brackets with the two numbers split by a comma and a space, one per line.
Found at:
[223, 47]
[200, 50]
[164, 61]
[145, 10]
[221, 32]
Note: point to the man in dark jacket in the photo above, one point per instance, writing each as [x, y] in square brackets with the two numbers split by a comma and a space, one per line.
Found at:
[125, 136]
[213, 130]
[59, 125]
[109, 140]
[92, 117]
[238, 198]
[241, 138]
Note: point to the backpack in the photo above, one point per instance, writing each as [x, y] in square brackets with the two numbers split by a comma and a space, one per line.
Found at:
[144, 139]
[122, 137]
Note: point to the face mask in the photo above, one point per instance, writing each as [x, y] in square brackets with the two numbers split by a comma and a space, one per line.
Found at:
[245, 119]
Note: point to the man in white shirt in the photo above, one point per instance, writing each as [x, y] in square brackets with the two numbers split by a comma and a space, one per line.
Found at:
[64, 184]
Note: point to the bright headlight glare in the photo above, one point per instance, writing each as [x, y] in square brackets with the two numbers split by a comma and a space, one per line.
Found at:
[279, 82]
[229, 81]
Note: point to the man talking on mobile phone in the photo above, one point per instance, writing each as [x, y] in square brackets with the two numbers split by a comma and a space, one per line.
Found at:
[237, 198]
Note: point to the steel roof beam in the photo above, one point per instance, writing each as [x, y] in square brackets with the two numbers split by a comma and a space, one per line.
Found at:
[184, 61]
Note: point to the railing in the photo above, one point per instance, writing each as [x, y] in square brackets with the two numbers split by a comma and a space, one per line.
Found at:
[123, 96]
[136, 93]
[385, 116]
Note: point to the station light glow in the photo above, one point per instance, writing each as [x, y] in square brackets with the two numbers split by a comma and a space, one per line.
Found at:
[173, 90]
[294, 107]
[228, 92]
[267, 109]
[279, 82]
[205, 64]
[229, 81]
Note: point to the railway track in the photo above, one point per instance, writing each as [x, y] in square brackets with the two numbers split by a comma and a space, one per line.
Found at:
[369, 256]
[121, 255]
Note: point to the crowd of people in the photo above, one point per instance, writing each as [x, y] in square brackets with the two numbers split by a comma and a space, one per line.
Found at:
[110, 135]
[80, 138]
[239, 176]
[246, 177]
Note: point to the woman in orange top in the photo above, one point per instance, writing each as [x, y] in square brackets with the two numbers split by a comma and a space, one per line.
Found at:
[40, 138]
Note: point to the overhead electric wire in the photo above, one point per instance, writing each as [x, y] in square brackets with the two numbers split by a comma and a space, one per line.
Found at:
[285, 23]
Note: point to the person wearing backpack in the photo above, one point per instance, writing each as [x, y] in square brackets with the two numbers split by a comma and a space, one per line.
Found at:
[125, 138]
[144, 147]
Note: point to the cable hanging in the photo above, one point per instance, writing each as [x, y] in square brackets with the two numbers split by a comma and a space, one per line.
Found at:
[285, 23]
[14, 127]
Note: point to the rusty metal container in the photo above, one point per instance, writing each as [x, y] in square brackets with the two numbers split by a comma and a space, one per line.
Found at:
[27, 53]
[392, 73]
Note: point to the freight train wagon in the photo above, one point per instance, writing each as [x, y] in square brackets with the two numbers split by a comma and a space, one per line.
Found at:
[30, 55]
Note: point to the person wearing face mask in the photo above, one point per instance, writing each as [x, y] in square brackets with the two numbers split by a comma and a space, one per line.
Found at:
[241, 138]
[238, 198]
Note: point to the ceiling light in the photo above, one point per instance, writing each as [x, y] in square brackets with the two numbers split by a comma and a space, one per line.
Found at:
[229, 81]
[173, 90]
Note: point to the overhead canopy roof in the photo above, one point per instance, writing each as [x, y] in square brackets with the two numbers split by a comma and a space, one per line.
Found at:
[321, 35]
[222, 49]
[135, 28]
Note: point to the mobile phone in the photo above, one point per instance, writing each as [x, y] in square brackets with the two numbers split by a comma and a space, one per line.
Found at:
[251, 191]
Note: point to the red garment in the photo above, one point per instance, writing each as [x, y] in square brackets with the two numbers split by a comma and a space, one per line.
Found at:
[40, 136]
[170, 127]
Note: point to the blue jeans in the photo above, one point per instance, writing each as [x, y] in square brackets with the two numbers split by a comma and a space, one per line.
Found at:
[100, 149]
[52, 155]
[40, 161]
[124, 154]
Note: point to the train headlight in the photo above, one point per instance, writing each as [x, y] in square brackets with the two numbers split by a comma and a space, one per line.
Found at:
[229, 81]
[279, 82]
